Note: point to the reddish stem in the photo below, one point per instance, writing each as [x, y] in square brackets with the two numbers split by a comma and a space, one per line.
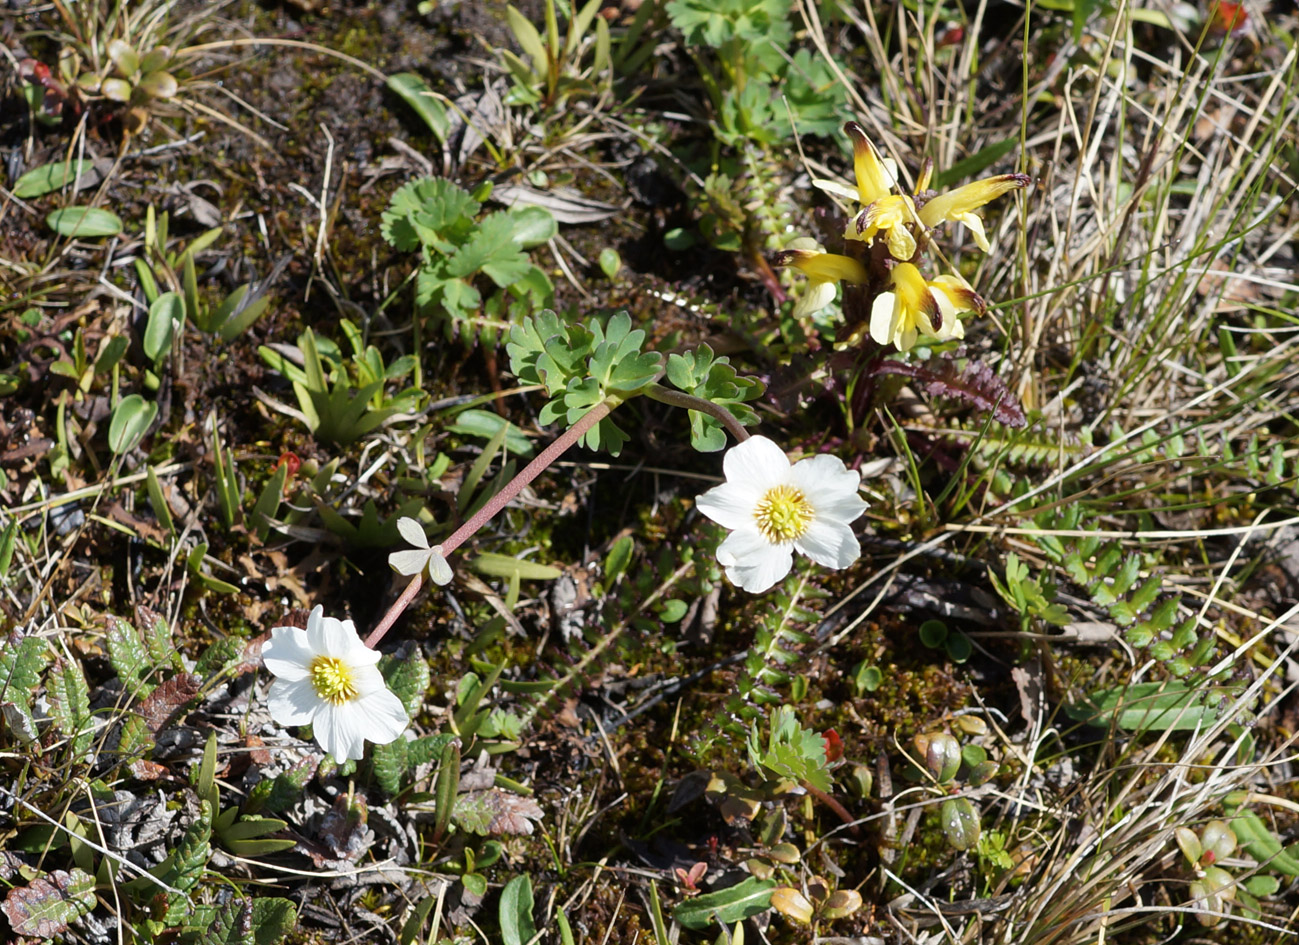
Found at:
[497, 502]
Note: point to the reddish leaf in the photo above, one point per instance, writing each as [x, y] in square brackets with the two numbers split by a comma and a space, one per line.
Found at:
[973, 382]
[45, 907]
[495, 812]
[168, 701]
[833, 745]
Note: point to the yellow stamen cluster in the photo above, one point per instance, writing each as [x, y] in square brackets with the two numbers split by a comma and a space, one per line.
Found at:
[783, 514]
[333, 680]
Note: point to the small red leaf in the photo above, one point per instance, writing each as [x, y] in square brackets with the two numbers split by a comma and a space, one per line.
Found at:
[168, 701]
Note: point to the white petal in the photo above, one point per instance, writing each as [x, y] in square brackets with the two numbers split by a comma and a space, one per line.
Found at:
[830, 486]
[757, 464]
[335, 637]
[408, 562]
[763, 573]
[729, 506]
[882, 318]
[385, 716]
[974, 223]
[744, 547]
[287, 654]
[293, 703]
[340, 731]
[438, 569]
[817, 297]
[829, 544]
[836, 189]
[412, 532]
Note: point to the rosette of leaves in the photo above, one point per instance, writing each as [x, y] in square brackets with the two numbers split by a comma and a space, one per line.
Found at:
[581, 366]
[474, 274]
[135, 79]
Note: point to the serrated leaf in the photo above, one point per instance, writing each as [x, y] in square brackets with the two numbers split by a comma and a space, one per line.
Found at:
[22, 659]
[726, 906]
[48, 905]
[495, 813]
[390, 763]
[407, 675]
[168, 701]
[70, 704]
[127, 656]
[491, 250]
[273, 919]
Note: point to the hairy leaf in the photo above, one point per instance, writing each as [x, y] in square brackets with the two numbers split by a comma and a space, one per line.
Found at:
[70, 704]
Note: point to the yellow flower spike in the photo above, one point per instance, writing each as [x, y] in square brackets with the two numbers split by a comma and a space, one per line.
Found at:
[823, 270]
[959, 205]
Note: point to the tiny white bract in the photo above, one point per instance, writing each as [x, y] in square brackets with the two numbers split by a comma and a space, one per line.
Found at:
[327, 678]
[421, 558]
[774, 508]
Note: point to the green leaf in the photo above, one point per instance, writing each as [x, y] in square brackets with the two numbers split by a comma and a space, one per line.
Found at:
[532, 226]
[416, 93]
[407, 675]
[726, 906]
[70, 704]
[1152, 707]
[390, 763]
[486, 424]
[131, 418]
[517, 927]
[166, 314]
[22, 660]
[504, 566]
[975, 163]
[618, 559]
[49, 177]
[84, 222]
[7, 540]
[127, 657]
[491, 250]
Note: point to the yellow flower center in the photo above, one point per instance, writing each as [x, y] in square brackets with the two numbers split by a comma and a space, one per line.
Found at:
[783, 514]
[333, 680]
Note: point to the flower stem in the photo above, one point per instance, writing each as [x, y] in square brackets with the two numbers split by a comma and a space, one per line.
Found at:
[689, 401]
[497, 502]
[395, 611]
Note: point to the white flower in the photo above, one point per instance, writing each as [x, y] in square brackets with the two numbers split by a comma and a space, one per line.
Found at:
[423, 558]
[773, 509]
[327, 678]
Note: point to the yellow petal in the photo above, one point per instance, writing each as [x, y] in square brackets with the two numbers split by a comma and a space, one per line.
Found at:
[824, 267]
[954, 204]
[882, 312]
[873, 178]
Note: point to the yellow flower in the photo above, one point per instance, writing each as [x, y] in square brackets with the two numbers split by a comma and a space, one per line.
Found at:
[958, 206]
[894, 216]
[823, 270]
[913, 306]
